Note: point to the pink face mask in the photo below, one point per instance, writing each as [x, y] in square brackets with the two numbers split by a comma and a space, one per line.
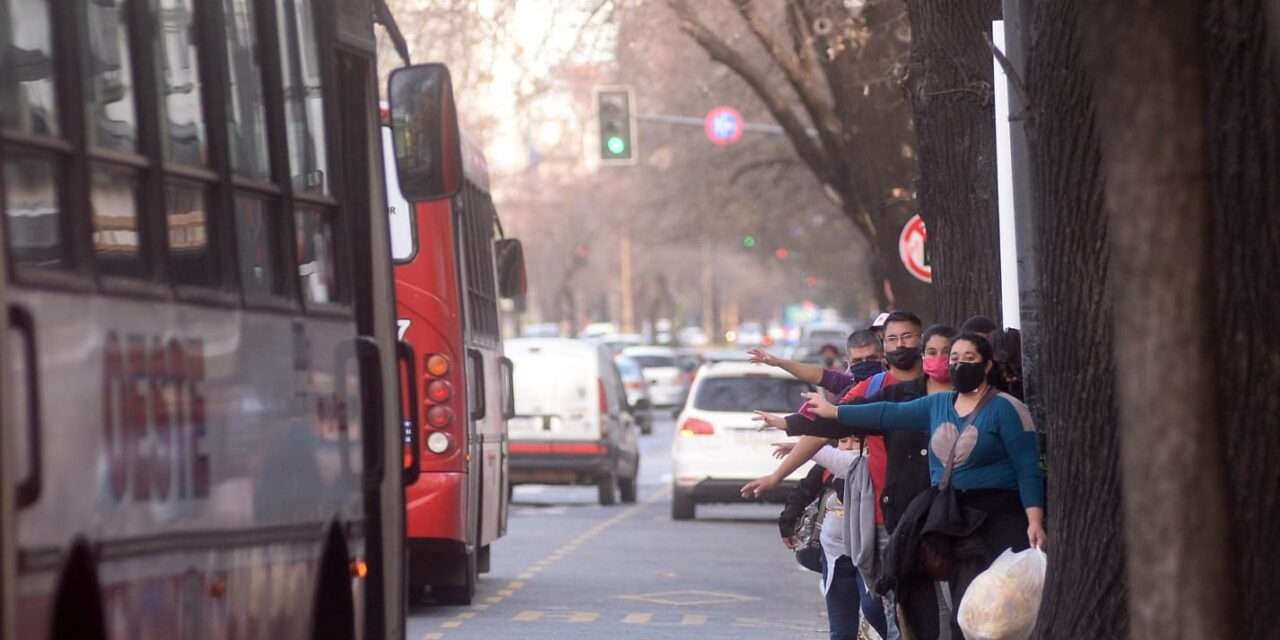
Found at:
[938, 368]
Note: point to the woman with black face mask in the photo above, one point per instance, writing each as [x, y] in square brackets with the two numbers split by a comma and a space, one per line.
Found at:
[983, 459]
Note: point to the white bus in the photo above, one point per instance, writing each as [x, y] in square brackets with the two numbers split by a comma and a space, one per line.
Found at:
[200, 394]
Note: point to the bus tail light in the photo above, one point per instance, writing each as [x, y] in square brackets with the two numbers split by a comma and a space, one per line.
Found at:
[696, 427]
[438, 442]
[437, 365]
[439, 416]
[439, 391]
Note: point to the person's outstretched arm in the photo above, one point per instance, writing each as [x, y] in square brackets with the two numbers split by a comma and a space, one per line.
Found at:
[888, 416]
[810, 373]
[799, 455]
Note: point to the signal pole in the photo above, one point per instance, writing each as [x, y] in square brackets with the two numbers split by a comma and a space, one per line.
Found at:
[628, 293]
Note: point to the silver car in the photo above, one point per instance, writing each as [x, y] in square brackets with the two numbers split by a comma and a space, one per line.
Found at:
[668, 383]
[637, 392]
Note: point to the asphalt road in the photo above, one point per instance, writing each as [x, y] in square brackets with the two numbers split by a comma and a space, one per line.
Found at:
[570, 569]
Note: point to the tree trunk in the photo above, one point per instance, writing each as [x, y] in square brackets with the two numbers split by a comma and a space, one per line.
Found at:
[1085, 590]
[950, 85]
[1244, 130]
[1146, 59]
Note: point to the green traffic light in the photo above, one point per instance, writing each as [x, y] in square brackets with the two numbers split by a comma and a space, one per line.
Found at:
[616, 145]
[749, 241]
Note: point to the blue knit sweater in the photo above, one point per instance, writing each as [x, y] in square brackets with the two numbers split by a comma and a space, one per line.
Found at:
[1003, 456]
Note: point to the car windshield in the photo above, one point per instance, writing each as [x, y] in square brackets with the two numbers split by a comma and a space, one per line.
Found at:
[652, 361]
[766, 393]
[628, 369]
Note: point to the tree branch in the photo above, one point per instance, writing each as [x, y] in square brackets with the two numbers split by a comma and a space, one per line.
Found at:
[1018, 85]
[813, 155]
[819, 108]
[743, 170]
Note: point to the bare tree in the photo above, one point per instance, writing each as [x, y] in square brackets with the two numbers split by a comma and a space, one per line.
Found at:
[831, 78]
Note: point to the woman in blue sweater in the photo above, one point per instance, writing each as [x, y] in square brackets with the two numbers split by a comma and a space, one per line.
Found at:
[996, 469]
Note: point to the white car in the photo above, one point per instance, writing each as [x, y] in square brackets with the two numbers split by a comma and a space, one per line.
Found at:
[717, 448]
[668, 383]
[573, 424]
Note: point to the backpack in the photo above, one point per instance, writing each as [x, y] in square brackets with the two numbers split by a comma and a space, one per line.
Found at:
[876, 384]
[809, 532]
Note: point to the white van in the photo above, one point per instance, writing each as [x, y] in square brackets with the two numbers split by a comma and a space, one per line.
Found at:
[573, 424]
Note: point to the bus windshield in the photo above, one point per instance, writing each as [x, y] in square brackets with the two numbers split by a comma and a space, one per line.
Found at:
[404, 240]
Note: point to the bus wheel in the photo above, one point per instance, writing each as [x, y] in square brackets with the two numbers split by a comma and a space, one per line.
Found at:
[333, 614]
[606, 487]
[464, 593]
[77, 611]
[627, 487]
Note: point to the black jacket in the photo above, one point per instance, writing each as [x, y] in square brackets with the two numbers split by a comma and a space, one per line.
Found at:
[803, 495]
[907, 452]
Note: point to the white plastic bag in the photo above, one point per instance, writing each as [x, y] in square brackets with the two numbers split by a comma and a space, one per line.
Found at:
[1002, 602]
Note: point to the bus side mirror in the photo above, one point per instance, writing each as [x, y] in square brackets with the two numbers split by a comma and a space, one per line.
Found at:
[424, 128]
[512, 280]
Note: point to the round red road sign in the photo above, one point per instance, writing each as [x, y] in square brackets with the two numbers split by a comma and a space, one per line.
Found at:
[912, 250]
[723, 125]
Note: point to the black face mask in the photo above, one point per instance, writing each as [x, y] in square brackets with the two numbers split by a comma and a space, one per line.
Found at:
[968, 376]
[863, 370]
[904, 358]
[828, 362]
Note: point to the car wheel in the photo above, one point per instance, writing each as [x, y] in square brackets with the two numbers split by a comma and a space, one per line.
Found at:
[606, 487]
[682, 506]
[627, 487]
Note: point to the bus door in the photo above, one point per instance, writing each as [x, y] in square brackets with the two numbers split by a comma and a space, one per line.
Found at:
[375, 344]
[7, 546]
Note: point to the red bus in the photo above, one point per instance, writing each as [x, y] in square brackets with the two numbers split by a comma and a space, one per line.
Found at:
[201, 320]
[447, 253]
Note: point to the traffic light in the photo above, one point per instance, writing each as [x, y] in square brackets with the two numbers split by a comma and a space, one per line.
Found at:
[617, 135]
[749, 241]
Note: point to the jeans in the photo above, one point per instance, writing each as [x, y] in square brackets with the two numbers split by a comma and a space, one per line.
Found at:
[843, 598]
[871, 605]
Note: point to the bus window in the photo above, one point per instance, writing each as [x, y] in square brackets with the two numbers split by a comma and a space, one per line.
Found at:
[247, 124]
[184, 135]
[108, 81]
[28, 104]
[33, 209]
[404, 233]
[304, 106]
[116, 224]
[113, 126]
[317, 268]
[192, 261]
[258, 242]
